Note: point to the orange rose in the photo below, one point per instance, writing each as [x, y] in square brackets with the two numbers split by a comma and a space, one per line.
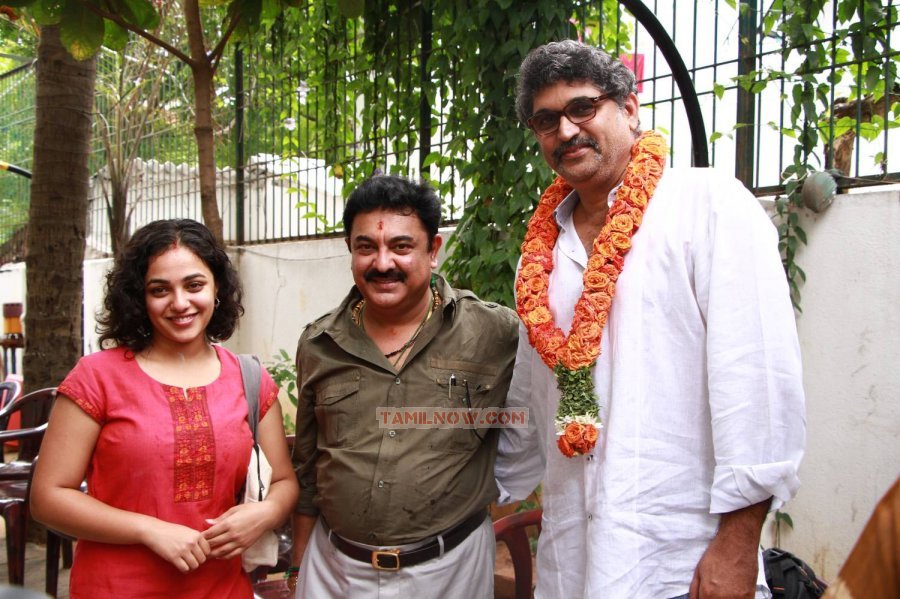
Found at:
[536, 285]
[530, 270]
[637, 216]
[620, 207]
[595, 280]
[601, 302]
[611, 271]
[543, 212]
[565, 447]
[590, 434]
[533, 245]
[622, 222]
[620, 241]
[596, 261]
[591, 330]
[573, 432]
[605, 249]
[638, 198]
[539, 315]
[529, 303]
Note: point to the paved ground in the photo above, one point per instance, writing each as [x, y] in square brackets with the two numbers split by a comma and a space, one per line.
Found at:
[35, 563]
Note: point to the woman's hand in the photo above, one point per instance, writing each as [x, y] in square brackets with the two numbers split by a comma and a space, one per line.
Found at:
[238, 528]
[183, 547]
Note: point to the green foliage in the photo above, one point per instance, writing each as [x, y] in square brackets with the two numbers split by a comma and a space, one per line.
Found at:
[284, 373]
[577, 388]
[492, 154]
[781, 519]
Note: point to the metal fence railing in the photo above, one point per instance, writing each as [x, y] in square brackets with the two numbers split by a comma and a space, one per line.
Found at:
[306, 109]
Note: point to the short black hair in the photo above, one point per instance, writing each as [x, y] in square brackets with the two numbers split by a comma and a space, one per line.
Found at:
[124, 320]
[395, 194]
[570, 61]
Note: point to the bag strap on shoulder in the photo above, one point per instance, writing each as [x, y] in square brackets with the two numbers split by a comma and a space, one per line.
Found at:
[250, 373]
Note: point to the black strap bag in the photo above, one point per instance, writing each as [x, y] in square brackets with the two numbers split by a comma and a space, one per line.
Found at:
[789, 577]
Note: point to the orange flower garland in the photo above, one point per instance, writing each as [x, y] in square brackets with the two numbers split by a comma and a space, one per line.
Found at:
[572, 357]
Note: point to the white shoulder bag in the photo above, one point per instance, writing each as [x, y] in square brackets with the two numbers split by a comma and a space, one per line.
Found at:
[264, 552]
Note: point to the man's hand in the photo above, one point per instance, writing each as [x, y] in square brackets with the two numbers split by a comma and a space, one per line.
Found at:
[729, 567]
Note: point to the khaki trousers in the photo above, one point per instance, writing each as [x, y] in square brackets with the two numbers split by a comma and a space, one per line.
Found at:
[465, 572]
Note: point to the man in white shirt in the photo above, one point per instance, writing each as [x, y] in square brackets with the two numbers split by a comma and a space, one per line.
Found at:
[697, 381]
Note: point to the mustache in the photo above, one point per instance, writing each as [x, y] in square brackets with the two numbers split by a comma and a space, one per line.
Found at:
[575, 141]
[388, 275]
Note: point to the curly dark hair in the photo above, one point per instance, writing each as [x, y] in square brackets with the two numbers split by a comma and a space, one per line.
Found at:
[570, 61]
[396, 194]
[124, 320]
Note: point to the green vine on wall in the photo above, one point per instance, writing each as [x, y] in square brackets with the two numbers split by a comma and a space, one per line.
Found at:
[855, 59]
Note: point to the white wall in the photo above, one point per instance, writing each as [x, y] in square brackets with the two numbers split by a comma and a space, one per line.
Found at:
[848, 329]
[850, 337]
[286, 286]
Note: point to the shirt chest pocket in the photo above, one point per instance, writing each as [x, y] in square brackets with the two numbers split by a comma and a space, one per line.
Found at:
[337, 411]
[462, 391]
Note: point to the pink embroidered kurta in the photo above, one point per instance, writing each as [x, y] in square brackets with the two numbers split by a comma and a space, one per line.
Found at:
[176, 454]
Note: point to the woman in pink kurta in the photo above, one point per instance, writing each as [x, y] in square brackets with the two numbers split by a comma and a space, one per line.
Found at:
[158, 426]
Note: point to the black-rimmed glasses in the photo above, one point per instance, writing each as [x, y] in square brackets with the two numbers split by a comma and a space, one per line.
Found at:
[579, 110]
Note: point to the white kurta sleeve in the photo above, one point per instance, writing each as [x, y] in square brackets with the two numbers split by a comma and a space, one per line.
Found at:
[754, 374]
[521, 455]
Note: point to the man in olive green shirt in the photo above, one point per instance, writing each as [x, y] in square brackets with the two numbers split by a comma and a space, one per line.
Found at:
[394, 486]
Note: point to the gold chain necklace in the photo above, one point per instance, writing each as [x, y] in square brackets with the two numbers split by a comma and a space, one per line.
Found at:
[357, 316]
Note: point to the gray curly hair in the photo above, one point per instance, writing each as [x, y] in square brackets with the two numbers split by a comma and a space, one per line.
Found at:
[570, 61]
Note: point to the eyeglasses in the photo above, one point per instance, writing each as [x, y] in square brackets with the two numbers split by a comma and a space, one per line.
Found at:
[579, 110]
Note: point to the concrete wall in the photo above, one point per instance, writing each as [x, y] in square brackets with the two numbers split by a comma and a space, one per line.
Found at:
[848, 329]
[850, 336]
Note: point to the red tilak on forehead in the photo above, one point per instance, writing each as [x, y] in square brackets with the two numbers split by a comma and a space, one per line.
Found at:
[380, 225]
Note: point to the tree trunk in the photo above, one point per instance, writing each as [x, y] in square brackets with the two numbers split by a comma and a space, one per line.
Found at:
[203, 71]
[58, 213]
[206, 149]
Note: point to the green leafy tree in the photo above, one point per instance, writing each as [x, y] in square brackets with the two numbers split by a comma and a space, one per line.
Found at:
[86, 25]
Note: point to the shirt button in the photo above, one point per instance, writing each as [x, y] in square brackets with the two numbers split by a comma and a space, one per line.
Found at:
[590, 457]
[397, 381]
[371, 535]
[381, 484]
[392, 434]
[590, 516]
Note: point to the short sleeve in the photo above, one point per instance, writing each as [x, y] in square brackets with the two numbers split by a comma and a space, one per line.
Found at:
[82, 386]
[268, 393]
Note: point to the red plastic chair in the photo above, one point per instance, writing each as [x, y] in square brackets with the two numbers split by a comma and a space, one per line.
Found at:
[512, 531]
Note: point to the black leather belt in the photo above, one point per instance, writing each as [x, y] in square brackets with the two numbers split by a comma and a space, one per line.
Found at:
[394, 559]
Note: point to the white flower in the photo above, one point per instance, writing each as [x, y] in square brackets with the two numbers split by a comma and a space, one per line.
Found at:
[290, 124]
[302, 92]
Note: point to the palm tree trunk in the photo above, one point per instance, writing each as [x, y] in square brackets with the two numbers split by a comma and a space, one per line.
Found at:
[58, 213]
